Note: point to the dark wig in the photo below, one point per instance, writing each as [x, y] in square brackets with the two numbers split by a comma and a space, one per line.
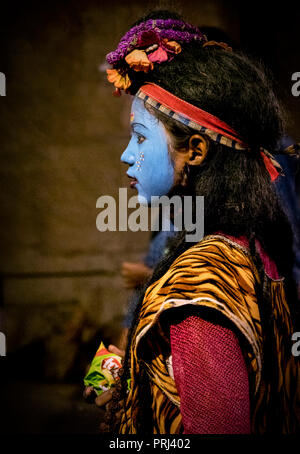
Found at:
[239, 196]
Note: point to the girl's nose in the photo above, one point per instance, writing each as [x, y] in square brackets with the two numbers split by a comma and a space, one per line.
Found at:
[128, 157]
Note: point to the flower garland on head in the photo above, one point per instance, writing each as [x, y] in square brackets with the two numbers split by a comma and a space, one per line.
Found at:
[153, 41]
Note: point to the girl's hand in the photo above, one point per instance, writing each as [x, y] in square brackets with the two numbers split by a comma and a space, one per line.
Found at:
[105, 400]
[135, 274]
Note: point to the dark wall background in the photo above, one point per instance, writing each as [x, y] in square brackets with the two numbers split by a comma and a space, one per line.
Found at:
[62, 134]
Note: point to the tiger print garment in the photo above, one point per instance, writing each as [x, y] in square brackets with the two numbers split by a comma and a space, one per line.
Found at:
[216, 274]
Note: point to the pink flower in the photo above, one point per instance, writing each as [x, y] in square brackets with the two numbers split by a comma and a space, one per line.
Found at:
[158, 56]
[165, 52]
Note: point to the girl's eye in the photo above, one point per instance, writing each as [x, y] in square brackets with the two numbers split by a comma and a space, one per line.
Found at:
[140, 139]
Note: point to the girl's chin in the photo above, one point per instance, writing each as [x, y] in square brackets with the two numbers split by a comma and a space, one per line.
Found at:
[143, 200]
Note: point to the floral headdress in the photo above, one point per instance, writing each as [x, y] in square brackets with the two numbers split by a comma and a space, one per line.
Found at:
[157, 41]
[150, 42]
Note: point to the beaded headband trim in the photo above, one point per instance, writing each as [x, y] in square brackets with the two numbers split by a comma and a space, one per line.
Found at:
[190, 115]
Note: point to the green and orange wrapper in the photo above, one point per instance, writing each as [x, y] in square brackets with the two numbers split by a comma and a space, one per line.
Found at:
[103, 372]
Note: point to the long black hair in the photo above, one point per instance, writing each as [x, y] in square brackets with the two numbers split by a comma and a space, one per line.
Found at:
[239, 196]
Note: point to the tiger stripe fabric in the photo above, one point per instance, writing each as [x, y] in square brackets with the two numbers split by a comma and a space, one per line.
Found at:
[216, 275]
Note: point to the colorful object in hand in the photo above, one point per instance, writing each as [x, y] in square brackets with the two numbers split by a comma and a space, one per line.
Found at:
[103, 372]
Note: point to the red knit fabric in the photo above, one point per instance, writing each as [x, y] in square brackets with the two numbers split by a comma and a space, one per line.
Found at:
[269, 265]
[211, 377]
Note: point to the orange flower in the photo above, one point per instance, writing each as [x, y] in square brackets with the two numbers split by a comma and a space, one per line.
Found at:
[173, 46]
[119, 80]
[138, 60]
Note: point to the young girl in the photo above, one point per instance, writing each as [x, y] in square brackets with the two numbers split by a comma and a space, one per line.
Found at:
[209, 350]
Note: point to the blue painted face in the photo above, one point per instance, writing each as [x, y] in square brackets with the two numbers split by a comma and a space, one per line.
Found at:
[147, 154]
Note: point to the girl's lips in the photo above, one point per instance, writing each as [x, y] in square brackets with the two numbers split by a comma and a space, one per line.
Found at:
[133, 181]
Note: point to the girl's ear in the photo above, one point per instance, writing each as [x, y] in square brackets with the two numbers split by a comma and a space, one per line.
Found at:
[198, 149]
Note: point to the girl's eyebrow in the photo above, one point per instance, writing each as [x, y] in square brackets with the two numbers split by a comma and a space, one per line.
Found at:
[138, 124]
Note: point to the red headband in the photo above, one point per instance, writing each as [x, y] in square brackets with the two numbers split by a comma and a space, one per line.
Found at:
[204, 122]
[190, 114]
